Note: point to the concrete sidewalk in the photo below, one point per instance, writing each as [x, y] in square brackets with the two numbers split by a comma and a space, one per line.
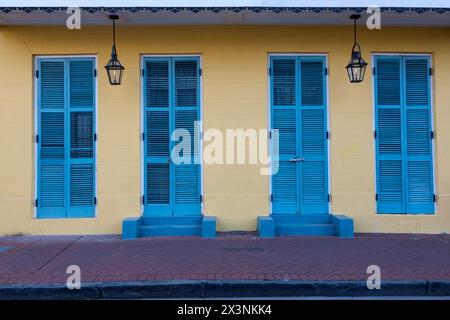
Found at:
[226, 266]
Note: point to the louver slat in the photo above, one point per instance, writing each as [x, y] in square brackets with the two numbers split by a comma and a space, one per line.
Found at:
[158, 183]
[157, 84]
[186, 83]
[284, 82]
[81, 83]
[314, 167]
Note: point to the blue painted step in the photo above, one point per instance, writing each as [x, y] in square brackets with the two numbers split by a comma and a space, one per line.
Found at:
[172, 220]
[170, 230]
[311, 225]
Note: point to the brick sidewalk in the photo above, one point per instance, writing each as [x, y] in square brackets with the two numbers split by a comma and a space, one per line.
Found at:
[44, 259]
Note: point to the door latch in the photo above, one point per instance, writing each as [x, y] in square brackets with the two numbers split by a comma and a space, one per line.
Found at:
[296, 159]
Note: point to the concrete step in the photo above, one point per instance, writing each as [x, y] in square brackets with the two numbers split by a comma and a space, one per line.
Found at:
[151, 221]
[303, 219]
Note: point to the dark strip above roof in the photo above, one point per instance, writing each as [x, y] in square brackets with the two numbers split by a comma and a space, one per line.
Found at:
[220, 9]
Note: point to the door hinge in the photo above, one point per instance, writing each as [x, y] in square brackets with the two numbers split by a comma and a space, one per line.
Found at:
[142, 72]
[36, 138]
[271, 198]
[373, 71]
[142, 136]
[37, 73]
[329, 197]
[376, 196]
[328, 135]
[431, 71]
[200, 72]
[143, 199]
[95, 201]
[326, 71]
[95, 73]
[95, 137]
[375, 134]
[36, 202]
[201, 198]
[270, 72]
[270, 134]
[432, 134]
[434, 198]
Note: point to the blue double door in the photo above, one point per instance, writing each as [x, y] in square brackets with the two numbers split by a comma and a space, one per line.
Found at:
[299, 119]
[171, 88]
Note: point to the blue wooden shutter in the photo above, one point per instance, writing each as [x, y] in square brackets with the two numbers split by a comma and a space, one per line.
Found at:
[157, 121]
[284, 99]
[51, 148]
[418, 147]
[81, 123]
[388, 110]
[186, 185]
[313, 137]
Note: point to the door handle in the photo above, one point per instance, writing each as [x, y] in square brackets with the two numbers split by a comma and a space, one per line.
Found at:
[296, 159]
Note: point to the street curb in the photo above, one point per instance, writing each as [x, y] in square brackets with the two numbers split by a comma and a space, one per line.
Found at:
[225, 289]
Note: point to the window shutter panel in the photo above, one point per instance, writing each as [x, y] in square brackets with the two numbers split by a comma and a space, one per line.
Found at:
[284, 93]
[390, 178]
[313, 139]
[157, 120]
[419, 161]
[51, 147]
[186, 188]
[81, 120]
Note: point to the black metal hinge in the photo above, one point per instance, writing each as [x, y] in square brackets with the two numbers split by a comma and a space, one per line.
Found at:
[270, 72]
[143, 136]
[37, 73]
[95, 73]
[95, 137]
[328, 135]
[326, 71]
[36, 202]
[201, 198]
[200, 72]
[143, 199]
[270, 134]
[432, 134]
[434, 198]
[329, 197]
[375, 134]
[95, 201]
[376, 196]
[36, 138]
[142, 72]
[271, 198]
[373, 71]
[431, 71]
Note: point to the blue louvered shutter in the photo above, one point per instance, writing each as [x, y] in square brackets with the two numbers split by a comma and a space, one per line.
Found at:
[418, 144]
[51, 169]
[284, 115]
[312, 137]
[388, 111]
[186, 110]
[81, 130]
[157, 123]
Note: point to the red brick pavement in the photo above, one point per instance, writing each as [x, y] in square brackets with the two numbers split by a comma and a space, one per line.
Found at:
[44, 259]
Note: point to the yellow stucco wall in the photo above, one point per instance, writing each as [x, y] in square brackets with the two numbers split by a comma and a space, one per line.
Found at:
[234, 61]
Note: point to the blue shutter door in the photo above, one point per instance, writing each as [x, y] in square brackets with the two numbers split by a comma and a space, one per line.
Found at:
[284, 115]
[388, 113]
[186, 110]
[418, 144]
[157, 126]
[81, 130]
[312, 137]
[51, 168]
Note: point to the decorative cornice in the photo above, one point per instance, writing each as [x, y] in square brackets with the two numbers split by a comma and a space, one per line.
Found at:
[398, 10]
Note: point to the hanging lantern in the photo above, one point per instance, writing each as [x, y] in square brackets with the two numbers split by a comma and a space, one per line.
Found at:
[114, 68]
[356, 67]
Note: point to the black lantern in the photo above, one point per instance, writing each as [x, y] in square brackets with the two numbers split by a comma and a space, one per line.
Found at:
[356, 68]
[113, 67]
